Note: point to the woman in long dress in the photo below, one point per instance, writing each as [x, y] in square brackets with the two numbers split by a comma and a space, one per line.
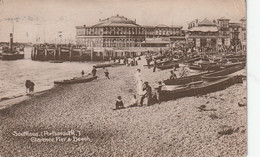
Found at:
[139, 82]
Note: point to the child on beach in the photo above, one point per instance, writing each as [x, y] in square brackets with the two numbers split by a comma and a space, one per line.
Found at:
[119, 103]
[94, 71]
[106, 73]
[158, 92]
[82, 72]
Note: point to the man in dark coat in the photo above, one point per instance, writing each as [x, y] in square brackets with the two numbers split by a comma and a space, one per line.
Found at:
[94, 71]
[148, 94]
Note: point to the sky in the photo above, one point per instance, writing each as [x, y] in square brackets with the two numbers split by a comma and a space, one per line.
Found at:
[45, 18]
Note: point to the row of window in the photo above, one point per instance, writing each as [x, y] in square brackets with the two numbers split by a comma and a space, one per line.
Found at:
[127, 31]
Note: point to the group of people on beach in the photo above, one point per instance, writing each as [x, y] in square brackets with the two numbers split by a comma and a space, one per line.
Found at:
[144, 91]
[94, 72]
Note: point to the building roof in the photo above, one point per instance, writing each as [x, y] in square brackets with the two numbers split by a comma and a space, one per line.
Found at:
[243, 19]
[206, 22]
[234, 25]
[204, 29]
[223, 18]
[117, 21]
[162, 26]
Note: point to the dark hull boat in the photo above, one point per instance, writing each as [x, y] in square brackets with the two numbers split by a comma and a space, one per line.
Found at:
[75, 80]
[11, 53]
[103, 65]
[185, 80]
[9, 57]
[198, 77]
[200, 89]
[168, 66]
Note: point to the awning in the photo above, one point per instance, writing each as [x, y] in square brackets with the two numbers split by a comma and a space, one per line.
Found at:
[204, 29]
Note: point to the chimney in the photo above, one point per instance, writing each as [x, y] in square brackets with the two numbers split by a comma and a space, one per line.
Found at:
[11, 41]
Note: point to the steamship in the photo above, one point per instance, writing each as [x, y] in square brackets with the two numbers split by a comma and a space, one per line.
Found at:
[11, 52]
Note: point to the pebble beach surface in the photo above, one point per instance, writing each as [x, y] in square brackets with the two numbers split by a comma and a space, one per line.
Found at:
[174, 128]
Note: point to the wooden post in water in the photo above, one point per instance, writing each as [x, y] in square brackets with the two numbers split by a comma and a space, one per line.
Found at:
[36, 53]
[45, 54]
[59, 53]
[91, 54]
[55, 52]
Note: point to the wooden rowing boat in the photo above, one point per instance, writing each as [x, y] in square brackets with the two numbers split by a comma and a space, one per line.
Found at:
[103, 65]
[198, 77]
[212, 78]
[75, 80]
[185, 80]
[200, 89]
[226, 71]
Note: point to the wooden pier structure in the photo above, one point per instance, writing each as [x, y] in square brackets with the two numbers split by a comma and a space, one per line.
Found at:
[73, 53]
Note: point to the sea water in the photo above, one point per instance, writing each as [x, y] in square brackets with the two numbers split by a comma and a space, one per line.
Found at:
[13, 74]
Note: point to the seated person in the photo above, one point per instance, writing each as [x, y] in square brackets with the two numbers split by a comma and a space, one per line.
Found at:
[173, 76]
[134, 101]
[119, 103]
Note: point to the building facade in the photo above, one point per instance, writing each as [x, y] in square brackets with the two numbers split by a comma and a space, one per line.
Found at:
[119, 33]
[217, 35]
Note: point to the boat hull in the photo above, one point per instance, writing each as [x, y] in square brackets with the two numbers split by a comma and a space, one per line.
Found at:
[9, 57]
[201, 89]
[193, 78]
[75, 81]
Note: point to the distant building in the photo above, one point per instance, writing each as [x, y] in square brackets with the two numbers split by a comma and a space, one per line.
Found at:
[217, 35]
[121, 34]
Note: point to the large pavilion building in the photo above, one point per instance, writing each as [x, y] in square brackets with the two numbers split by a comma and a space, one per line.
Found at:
[121, 34]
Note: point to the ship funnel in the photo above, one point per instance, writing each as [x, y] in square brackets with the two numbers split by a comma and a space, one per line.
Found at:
[11, 41]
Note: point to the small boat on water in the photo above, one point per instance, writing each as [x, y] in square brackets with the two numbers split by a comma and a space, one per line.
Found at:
[75, 80]
[11, 52]
[200, 88]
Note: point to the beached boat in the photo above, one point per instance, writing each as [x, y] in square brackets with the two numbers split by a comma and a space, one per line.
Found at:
[168, 66]
[231, 64]
[193, 59]
[200, 88]
[103, 65]
[56, 61]
[226, 71]
[75, 80]
[207, 67]
[212, 78]
[198, 77]
[185, 80]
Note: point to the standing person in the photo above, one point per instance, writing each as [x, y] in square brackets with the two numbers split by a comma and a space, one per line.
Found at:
[173, 76]
[158, 92]
[106, 73]
[154, 65]
[31, 88]
[94, 71]
[148, 94]
[82, 72]
[139, 82]
[27, 85]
